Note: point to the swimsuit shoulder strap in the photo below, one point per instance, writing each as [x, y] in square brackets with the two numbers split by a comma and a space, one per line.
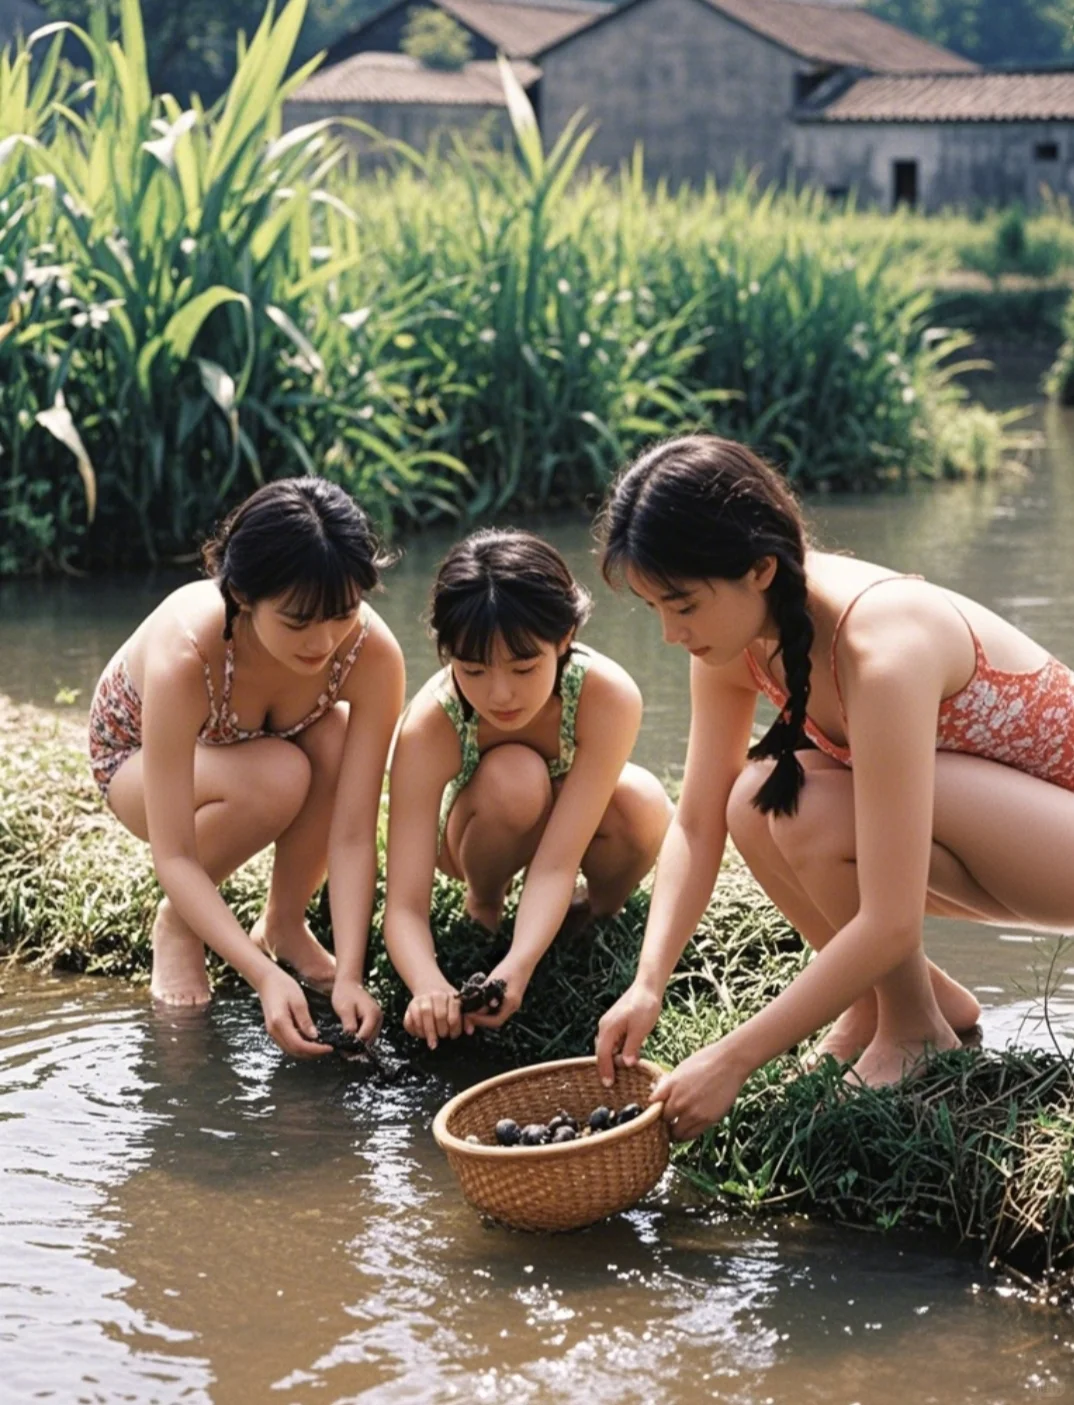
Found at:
[217, 710]
[570, 691]
[841, 621]
[342, 667]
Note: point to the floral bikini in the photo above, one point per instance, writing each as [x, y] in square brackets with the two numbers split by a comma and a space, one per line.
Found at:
[570, 691]
[115, 720]
[1024, 720]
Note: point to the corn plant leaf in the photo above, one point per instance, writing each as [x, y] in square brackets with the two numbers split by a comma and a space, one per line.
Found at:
[164, 147]
[61, 426]
[301, 341]
[523, 119]
[185, 325]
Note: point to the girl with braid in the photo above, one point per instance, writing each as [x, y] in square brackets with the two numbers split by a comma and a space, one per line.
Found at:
[922, 761]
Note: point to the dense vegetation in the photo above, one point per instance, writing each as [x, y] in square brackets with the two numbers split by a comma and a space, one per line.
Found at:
[193, 302]
[1008, 33]
[979, 1148]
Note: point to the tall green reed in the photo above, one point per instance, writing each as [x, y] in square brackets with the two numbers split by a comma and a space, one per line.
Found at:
[184, 347]
[205, 299]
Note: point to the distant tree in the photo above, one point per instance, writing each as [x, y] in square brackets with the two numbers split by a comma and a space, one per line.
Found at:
[1004, 32]
[436, 39]
[191, 43]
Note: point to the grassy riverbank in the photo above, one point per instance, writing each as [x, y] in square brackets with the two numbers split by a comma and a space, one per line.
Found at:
[194, 302]
[980, 1148]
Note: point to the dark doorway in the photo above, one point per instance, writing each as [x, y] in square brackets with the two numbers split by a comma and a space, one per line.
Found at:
[904, 183]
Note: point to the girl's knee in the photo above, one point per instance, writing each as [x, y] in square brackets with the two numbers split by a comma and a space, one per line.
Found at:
[747, 826]
[817, 831]
[280, 782]
[323, 742]
[512, 784]
[639, 811]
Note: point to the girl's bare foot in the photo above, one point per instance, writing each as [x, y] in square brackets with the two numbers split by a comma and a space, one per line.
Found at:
[889, 1060]
[852, 1032]
[855, 1028]
[959, 1006]
[178, 961]
[296, 945]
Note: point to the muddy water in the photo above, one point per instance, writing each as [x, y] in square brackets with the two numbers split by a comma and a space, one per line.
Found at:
[186, 1216]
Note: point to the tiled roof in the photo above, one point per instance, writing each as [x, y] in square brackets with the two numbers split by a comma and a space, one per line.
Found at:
[19, 17]
[522, 31]
[842, 35]
[373, 77]
[973, 97]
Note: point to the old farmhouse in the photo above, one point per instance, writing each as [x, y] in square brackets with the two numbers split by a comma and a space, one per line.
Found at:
[813, 91]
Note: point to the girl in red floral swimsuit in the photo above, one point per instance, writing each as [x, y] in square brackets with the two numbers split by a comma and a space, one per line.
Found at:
[922, 761]
[254, 708]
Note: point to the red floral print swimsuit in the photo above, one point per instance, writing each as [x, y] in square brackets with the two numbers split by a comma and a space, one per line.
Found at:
[1024, 720]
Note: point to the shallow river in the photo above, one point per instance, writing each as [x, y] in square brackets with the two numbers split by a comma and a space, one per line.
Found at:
[187, 1216]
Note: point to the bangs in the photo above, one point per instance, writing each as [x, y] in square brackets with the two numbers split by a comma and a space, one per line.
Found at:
[469, 627]
[631, 555]
[327, 596]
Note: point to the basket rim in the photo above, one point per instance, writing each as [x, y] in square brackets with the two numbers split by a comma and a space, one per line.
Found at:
[447, 1141]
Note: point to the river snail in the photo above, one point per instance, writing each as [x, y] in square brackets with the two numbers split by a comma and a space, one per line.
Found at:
[478, 994]
[348, 1046]
[562, 1127]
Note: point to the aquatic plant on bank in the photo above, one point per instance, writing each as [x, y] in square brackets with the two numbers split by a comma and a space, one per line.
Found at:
[192, 300]
[979, 1148]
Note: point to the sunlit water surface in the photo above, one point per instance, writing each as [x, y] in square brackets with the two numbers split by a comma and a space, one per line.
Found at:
[187, 1216]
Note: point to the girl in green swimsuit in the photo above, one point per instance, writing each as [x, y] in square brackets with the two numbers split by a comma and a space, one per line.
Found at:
[515, 755]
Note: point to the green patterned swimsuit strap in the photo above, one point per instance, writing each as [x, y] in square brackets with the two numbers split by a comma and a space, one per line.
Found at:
[570, 691]
[466, 730]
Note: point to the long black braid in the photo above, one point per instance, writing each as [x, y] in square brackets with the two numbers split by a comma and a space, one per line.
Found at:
[702, 508]
[787, 600]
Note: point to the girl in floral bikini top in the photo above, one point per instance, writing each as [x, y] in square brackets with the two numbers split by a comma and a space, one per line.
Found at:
[211, 772]
[515, 755]
[921, 761]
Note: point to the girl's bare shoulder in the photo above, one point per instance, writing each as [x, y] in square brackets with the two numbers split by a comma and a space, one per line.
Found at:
[426, 724]
[606, 683]
[381, 655]
[183, 634]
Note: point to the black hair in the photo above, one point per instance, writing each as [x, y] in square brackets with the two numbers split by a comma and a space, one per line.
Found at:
[506, 584]
[703, 508]
[302, 538]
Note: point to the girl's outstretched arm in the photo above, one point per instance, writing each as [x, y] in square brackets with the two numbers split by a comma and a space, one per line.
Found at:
[894, 678]
[426, 756]
[375, 690]
[173, 710]
[722, 707]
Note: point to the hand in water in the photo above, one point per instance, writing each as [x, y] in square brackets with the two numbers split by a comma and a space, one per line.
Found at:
[287, 1016]
[359, 1013]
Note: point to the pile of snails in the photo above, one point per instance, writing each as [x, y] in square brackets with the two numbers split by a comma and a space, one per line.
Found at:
[560, 1128]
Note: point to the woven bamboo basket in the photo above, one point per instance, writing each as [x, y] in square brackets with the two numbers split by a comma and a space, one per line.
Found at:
[563, 1186]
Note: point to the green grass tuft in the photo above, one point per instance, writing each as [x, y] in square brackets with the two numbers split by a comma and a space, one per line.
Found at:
[979, 1147]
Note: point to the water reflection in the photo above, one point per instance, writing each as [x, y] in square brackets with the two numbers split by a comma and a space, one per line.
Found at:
[187, 1216]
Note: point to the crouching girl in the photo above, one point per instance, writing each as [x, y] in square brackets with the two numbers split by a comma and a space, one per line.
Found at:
[514, 756]
[231, 719]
